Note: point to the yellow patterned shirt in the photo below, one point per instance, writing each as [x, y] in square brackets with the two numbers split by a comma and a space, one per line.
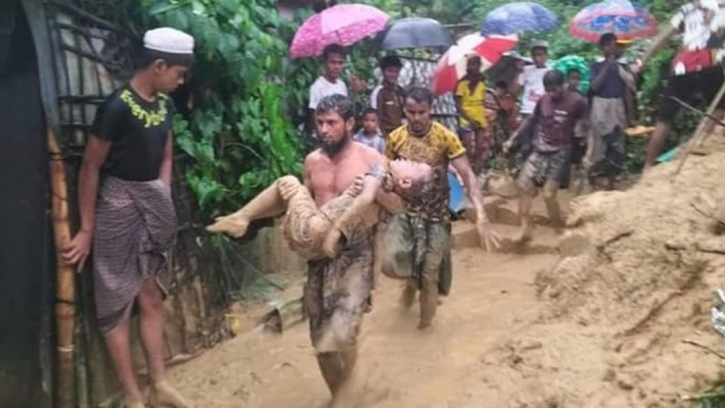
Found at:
[436, 148]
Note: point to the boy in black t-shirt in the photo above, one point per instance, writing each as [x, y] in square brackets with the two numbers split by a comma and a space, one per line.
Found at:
[127, 212]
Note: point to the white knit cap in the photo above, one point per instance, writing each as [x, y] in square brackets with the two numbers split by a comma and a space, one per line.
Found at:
[168, 40]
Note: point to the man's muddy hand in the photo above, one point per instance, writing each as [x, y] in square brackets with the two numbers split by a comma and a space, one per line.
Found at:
[332, 243]
[288, 187]
[357, 186]
[490, 240]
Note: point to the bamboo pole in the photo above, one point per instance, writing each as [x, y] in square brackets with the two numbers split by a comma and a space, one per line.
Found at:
[700, 134]
[65, 279]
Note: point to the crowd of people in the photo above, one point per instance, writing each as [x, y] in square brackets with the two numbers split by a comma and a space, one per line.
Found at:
[392, 173]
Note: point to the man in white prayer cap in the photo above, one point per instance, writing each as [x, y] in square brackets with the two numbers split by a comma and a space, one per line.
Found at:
[127, 213]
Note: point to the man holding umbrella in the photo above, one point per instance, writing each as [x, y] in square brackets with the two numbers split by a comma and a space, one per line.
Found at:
[611, 112]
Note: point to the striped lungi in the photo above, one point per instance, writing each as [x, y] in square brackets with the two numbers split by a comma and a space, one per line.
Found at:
[134, 231]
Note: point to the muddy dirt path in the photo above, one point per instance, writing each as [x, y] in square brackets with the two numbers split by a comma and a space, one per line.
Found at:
[493, 298]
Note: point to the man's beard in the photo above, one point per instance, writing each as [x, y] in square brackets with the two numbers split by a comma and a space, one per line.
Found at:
[332, 149]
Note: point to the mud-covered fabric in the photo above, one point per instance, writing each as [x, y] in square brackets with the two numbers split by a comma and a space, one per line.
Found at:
[415, 248]
[337, 293]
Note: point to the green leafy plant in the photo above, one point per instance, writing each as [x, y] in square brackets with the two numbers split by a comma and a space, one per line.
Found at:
[247, 97]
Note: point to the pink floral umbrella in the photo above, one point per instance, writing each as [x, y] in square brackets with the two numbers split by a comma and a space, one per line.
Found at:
[343, 24]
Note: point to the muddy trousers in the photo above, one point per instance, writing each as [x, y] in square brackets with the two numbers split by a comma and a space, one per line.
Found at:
[428, 250]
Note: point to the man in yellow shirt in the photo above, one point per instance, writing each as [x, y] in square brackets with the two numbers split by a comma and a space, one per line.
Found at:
[470, 99]
[418, 243]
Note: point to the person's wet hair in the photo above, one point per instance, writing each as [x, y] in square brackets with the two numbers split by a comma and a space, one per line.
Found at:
[322, 5]
[553, 78]
[333, 49]
[390, 61]
[370, 111]
[422, 186]
[336, 103]
[607, 39]
[420, 95]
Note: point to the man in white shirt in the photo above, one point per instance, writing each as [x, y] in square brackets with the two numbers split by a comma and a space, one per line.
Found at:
[334, 58]
[531, 79]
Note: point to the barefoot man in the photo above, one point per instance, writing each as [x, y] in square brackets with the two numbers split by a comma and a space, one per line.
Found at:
[553, 121]
[338, 289]
[421, 238]
[127, 212]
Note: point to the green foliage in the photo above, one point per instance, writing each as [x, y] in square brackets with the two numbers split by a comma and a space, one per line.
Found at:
[247, 97]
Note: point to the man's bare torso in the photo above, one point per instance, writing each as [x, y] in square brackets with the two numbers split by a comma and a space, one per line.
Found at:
[327, 177]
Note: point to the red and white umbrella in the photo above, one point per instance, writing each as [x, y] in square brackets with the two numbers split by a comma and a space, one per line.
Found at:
[452, 65]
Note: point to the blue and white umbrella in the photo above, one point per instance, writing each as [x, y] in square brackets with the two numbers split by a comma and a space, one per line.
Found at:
[515, 18]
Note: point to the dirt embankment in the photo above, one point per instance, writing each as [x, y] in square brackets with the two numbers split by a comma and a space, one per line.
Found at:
[635, 289]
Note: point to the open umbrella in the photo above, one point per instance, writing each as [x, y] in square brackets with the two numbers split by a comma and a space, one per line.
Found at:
[343, 24]
[627, 20]
[514, 18]
[452, 65]
[414, 32]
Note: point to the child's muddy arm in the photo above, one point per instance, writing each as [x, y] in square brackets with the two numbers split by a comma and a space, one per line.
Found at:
[391, 202]
[345, 223]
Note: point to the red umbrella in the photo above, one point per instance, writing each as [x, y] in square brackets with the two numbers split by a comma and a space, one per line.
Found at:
[452, 65]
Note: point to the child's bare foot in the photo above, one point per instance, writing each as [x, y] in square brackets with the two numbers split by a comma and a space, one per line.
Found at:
[163, 394]
[234, 225]
[136, 403]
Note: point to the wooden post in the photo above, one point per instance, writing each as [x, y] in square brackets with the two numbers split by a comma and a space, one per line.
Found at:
[699, 135]
[65, 279]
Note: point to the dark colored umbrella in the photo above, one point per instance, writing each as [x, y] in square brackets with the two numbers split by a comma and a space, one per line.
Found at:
[414, 32]
[515, 18]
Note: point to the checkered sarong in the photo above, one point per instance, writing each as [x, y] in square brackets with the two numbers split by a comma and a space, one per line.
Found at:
[134, 230]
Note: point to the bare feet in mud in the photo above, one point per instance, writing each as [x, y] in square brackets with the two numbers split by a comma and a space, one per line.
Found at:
[424, 326]
[522, 237]
[408, 297]
[163, 394]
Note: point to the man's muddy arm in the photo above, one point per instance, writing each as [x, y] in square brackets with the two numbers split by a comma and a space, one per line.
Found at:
[463, 166]
[489, 239]
[343, 226]
[391, 202]
[525, 127]
[371, 186]
[95, 154]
